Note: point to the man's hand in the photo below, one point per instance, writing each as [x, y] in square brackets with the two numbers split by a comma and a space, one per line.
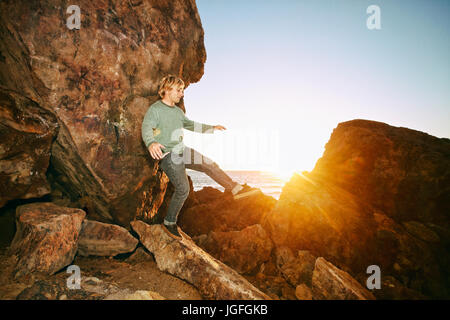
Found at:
[155, 150]
[219, 127]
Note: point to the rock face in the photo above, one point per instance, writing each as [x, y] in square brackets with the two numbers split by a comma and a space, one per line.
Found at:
[98, 82]
[355, 208]
[103, 239]
[27, 131]
[330, 283]
[46, 237]
[243, 250]
[187, 261]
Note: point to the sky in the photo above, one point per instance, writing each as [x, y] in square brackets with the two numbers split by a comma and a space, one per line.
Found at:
[280, 76]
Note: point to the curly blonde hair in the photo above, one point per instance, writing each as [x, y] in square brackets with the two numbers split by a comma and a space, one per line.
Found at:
[167, 83]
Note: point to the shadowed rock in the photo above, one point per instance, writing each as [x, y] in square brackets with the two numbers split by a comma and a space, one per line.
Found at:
[186, 260]
[295, 269]
[243, 250]
[218, 211]
[46, 237]
[103, 239]
[26, 132]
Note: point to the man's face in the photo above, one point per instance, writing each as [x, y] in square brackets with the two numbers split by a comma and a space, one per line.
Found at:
[176, 93]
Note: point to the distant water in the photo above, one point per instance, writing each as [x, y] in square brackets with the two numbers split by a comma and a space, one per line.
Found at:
[269, 184]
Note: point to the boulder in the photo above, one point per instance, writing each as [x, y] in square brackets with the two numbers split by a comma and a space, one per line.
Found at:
[98, 80]
[184, 259]
[46, 239]
[103, 239]
[402, 172]
[378, 196]
[323, 219]
[243, 250]
[331, 283]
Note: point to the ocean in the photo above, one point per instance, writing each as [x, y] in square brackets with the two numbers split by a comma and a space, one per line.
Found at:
[268, 182]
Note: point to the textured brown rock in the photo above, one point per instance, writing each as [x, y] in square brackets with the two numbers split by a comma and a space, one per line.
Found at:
[98, 81]
[46, 237]
[187, 261]
[243, 250]
[103, 239]
[420, 231]
[26, 132]
[303, 292]
[331, 283]
[295, 269]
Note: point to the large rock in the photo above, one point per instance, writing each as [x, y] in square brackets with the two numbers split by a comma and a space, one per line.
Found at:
[103, 239]
[346, 210]
[186, 260]
[323, 219]
[99, 81]
[27, 131]
[402, 172]
[243, 250]
[46, 237]
[331, 283]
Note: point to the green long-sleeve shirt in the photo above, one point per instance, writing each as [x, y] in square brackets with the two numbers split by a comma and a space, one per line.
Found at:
[164, 124]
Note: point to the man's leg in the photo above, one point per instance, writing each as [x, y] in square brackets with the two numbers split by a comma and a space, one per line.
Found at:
[194, 160]
[176, 172]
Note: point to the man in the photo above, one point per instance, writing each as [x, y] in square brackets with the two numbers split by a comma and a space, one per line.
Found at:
[162, 132]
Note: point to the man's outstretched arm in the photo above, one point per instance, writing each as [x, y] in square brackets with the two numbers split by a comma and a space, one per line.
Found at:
[200, 127]
[197, 126]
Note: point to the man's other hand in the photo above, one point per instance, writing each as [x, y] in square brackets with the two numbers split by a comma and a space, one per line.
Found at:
[155, 150]
[219, 127]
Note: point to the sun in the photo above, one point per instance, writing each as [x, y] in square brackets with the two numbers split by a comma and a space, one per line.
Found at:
[285, 174]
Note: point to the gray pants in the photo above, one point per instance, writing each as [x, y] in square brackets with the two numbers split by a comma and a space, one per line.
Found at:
[174, 166]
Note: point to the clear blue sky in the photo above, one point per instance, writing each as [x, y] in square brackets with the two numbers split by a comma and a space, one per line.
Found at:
[292, 70]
